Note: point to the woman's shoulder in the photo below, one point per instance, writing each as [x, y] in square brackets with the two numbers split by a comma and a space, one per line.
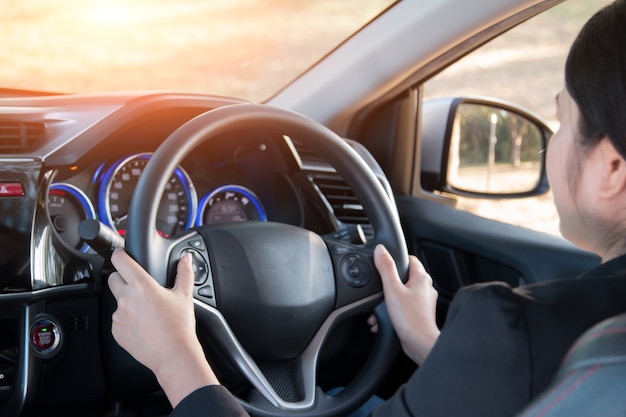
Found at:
[604, 283]
[574, 302]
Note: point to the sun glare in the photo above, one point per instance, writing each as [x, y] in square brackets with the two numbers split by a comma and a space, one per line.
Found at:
[108, 13]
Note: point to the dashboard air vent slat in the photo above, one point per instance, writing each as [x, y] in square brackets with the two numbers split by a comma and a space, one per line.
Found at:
[306, 154]
[17, 136]
[340, 197]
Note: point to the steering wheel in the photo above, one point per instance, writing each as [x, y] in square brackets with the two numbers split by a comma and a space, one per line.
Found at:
[271, 293]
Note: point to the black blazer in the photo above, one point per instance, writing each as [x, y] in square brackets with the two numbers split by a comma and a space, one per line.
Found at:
[501, 346]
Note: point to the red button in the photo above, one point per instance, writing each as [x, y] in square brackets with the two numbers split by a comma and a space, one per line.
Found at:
[43, 337]
[11, 189]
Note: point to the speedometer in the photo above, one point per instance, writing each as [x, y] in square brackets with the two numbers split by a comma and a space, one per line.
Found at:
[177, 207]
[230, 203]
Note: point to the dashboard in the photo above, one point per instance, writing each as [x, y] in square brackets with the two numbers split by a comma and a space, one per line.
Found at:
[88, 153]
[65, 159]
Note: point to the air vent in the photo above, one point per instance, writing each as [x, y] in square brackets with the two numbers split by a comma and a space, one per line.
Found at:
[18, 137]
[307, 154]
[334, 190]
[340, 197]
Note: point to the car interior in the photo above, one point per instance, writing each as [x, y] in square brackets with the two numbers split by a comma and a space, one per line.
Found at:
[280, 202]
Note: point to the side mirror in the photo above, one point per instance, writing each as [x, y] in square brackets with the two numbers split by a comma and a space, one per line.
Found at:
[483, 147]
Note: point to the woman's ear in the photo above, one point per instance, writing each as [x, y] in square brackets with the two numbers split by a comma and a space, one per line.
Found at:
[612, 170]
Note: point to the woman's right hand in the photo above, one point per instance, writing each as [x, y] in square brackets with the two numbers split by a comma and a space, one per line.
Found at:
[157, 325]
[412, 306]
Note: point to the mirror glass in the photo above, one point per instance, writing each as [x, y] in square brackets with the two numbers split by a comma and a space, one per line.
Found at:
[494, 151]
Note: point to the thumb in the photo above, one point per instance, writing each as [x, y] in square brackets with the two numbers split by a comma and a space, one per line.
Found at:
[386, 267]
[184, 275]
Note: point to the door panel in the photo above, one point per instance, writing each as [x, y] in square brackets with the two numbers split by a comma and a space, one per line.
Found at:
[459, 248]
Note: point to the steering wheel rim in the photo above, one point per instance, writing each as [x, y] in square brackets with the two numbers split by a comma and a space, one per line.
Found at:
[145, 245]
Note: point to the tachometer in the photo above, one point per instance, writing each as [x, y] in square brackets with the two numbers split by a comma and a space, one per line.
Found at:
[177, 208]
[67, 207]
[230, 203]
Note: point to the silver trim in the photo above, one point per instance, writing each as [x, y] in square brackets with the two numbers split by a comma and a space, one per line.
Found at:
[357, 207]
[317, 167]
[18, 160]
[46, 264]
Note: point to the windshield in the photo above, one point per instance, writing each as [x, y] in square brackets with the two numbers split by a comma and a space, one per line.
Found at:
[243, 48]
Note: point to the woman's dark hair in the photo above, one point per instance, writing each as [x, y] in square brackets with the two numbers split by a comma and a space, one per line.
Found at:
[595, 76]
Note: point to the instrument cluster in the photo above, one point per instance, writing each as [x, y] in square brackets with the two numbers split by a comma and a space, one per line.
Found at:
[180, 208]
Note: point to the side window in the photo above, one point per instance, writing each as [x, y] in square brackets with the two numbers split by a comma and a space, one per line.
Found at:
[523, 66]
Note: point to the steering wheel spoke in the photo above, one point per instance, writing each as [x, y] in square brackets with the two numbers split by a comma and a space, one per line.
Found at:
[286, 387]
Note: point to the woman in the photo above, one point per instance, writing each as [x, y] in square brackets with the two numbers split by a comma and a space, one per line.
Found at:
[500, 347]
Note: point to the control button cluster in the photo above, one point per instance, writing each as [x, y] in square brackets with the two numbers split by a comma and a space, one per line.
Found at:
[355, 270]
[200, 267]
[203, 280]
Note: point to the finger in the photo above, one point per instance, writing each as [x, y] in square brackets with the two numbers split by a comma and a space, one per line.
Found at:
[386, 266]
[373, 323]
[129, 269]
[184, 275]
[418, 265]
[116, 283]
[417, 272]
[117, 330]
